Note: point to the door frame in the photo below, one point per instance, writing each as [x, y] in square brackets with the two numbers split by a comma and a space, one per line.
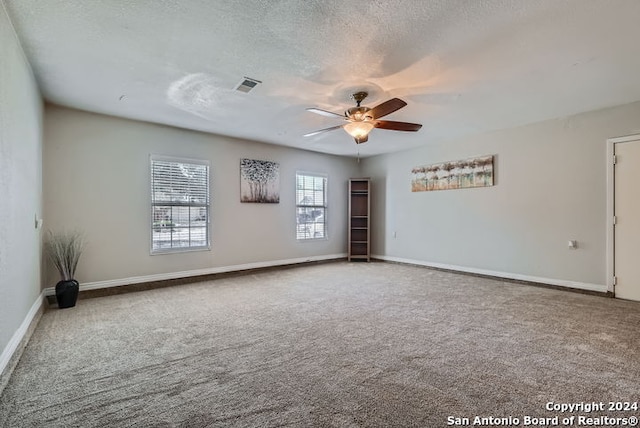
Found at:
[611, 142]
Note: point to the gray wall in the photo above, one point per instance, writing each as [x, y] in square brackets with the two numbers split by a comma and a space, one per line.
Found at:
[20, 184]
[550, 188]
[96, 179]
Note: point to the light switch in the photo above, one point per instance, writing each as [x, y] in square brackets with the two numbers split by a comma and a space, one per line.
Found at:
[573, 244]
[38, 222]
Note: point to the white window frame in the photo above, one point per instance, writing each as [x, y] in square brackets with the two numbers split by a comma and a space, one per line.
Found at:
[152, 204]
[324, 207]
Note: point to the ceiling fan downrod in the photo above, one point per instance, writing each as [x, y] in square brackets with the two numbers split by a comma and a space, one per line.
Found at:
[358, 97]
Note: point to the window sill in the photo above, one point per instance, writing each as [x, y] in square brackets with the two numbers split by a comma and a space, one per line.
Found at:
[312, 239]
[178, 251]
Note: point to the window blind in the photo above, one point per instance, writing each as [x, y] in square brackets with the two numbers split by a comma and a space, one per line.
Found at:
[179, 205]
[311, 206]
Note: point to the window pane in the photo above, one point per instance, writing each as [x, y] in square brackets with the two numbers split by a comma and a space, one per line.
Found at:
[198, 236]
[180, 237]
[310, 223]
[161, 216]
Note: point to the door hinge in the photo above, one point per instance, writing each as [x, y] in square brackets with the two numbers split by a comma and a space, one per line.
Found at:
[615, 159]
[615, 220]
[615, 280]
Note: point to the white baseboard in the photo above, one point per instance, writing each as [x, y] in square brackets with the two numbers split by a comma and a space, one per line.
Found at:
[17, 337]
[602, 288]
[198, 272]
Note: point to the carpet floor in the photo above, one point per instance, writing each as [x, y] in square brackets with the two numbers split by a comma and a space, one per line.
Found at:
[331, 345]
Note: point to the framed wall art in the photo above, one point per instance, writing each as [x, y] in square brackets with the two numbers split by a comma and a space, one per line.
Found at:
[259, 181]
[460, 174]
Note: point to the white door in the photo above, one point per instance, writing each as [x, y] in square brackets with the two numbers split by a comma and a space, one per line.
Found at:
[627, 224]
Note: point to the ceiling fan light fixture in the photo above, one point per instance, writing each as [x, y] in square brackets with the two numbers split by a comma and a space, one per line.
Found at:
[359, 113]
[358, 129]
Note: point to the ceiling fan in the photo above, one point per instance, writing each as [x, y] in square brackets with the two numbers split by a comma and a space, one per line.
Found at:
[361, 120]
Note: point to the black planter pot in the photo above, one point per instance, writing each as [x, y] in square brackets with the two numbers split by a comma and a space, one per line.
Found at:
[67, 293]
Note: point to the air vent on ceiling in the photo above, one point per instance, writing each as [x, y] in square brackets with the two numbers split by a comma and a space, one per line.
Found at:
[247, 84]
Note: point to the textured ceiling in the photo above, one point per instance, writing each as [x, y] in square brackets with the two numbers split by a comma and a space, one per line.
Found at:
[463, 66]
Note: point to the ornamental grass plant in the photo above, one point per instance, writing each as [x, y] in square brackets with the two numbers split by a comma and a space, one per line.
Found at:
[64, 250]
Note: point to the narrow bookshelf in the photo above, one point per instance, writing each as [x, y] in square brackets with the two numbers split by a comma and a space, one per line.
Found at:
[359, 219]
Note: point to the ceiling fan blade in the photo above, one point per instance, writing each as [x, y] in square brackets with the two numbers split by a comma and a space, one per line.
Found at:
[361, 139]
[397, 126]
[322, 130]
[326, 113]
[386, 108]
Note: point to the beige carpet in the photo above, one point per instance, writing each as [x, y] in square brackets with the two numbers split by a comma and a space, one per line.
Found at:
[332, 345]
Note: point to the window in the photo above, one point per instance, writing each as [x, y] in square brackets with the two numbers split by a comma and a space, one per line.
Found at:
[179, 205]
[311, 206]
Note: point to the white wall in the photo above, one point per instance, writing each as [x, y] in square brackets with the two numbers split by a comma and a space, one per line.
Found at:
[96, 179]
[20, 188]
[550, 188]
